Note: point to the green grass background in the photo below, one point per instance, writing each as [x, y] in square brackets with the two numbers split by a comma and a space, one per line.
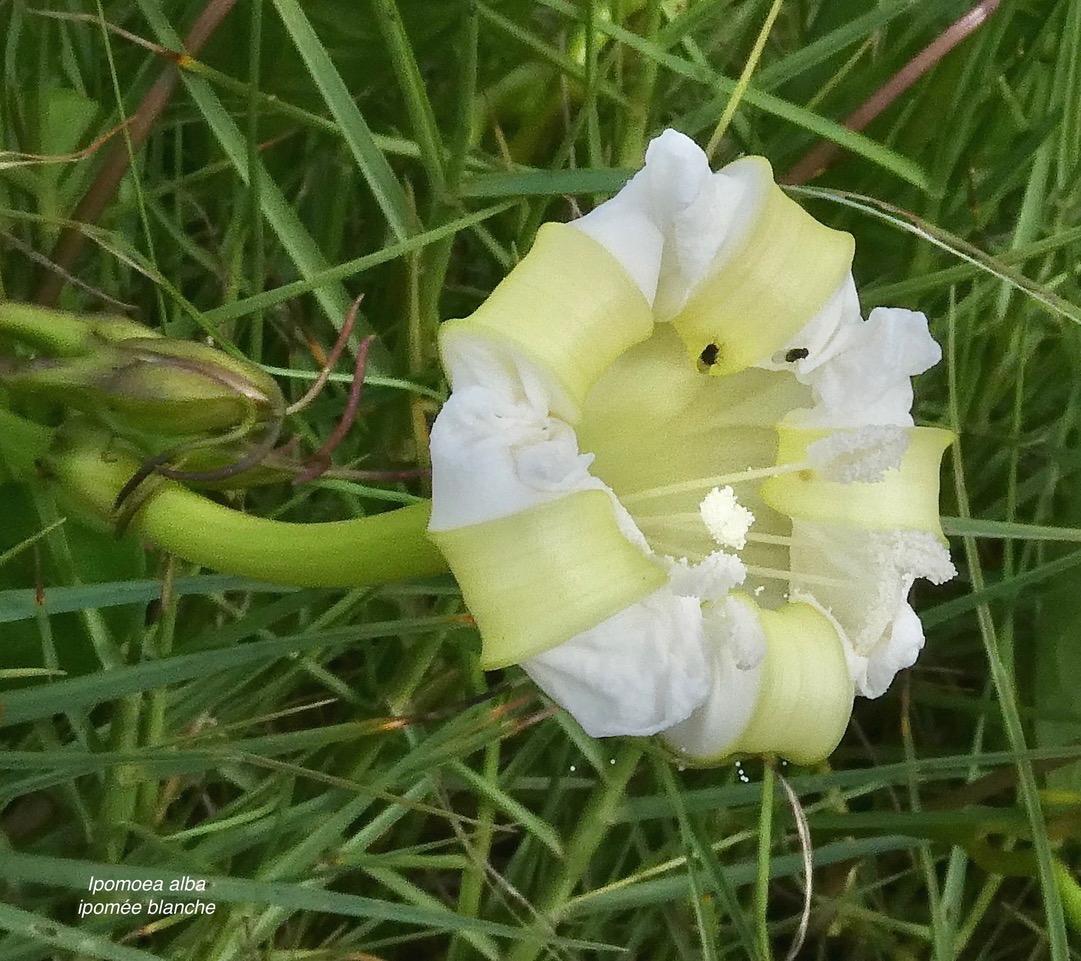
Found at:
[320, 150]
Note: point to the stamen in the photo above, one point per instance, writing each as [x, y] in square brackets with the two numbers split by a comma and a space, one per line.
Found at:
[726, 519]
[774, 574]
[676, 552]
[693, 519]
[705, 483]
[770, 539]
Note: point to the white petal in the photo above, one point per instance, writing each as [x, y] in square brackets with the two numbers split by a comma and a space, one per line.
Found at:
[868, 379]
[632, 226]
[898, 651]
[736, 625]
[872, 573]
[496, 457]
[668, 223]
[624, 227]
[696, 233]
[636, 673]
[726, 711]
[478, 362]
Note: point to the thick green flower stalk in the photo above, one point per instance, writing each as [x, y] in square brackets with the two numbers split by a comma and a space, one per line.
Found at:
[678, 478]
[132, 405]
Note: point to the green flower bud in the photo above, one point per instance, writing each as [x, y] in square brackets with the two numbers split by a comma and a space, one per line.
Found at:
[138, 382]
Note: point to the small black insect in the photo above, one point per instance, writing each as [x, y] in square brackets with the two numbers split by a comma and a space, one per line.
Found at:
[709, 354]
[796, 353]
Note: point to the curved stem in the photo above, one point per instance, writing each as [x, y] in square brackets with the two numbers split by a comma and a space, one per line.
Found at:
[354, 553]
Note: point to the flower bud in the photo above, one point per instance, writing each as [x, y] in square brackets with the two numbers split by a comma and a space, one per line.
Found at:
[150, 384]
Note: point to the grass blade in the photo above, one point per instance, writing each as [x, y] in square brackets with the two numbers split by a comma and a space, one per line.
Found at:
[370, 159]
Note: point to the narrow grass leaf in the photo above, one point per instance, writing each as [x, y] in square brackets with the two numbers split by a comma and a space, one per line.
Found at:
[294, 237]
[45, 931]
[370, 159]
[20, 604]
[65, 695]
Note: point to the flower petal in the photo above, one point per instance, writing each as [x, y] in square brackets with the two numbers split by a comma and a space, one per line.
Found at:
[568, 309]
[496, 454]
[637, 673]
[539, 577]
[900, 651]
[861, 579]
[867, 378]
[667, 225]
[905, 497]
[796, 703]
[769, 282]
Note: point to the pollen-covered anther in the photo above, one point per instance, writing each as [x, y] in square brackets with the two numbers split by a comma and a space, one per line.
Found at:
[861, 455]
[708, 580]
[726, 519]
[918, 554]
[734, 623]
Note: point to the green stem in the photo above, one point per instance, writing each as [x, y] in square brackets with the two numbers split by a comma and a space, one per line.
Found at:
[744, 80]
[761, 887]
[633, 147]
[120, 788]
[161, 637]
[593, 824]
[1070, 891]
[475, 876]
[354, 553]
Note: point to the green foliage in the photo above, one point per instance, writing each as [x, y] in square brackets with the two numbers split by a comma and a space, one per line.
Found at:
[336, 762]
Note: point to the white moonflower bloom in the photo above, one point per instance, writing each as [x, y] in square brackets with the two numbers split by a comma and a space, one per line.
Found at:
[677, 478]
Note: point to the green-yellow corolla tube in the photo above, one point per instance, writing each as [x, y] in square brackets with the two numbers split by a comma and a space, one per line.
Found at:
[902, 498]
[768, 280]
[567, 310]
[749, 446]
[795, 703]
[573, 546]
[91, 471]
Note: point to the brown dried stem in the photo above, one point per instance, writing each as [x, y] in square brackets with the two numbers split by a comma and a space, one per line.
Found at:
[320, 461]
[72, 241]
[822, 156]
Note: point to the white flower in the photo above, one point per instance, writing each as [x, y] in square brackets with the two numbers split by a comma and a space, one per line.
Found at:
[678, 479]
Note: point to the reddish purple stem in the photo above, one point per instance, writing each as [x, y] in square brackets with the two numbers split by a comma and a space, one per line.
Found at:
[332, 359]
[103, 189]
[824, 154]
[321, 460]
